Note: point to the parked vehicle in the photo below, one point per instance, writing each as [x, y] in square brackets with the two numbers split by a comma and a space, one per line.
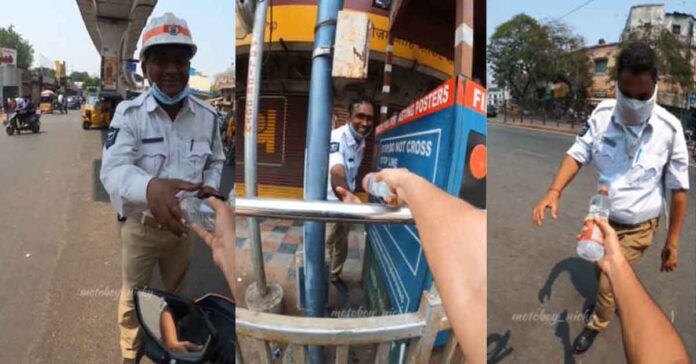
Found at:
[98, 110]
[491, 111]
[73, 102]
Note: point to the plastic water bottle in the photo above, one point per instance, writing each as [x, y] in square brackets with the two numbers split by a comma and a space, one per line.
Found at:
[589, 246]
[199, 212]
[378, 189]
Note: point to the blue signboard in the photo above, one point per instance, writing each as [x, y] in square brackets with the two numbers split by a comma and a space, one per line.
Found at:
[442, 138]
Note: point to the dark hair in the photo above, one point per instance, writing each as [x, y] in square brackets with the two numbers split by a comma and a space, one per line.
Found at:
[359, 101]
[638, 57]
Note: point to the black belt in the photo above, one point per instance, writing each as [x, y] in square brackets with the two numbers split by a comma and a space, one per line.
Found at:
[619, 225]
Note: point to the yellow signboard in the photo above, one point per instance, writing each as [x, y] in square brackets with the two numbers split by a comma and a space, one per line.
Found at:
[295, 23]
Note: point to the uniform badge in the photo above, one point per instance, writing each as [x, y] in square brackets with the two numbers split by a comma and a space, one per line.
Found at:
[111, 137]
[333, 147]
[584, 129]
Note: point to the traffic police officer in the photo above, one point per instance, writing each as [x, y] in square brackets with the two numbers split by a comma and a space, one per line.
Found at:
[159, 144]
[639, 151]
[345, 155]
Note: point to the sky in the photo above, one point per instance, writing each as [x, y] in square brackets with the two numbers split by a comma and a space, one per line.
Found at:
[598, 19]
[62, 34]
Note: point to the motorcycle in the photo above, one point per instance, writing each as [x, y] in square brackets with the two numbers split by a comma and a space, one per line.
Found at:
[23, 121]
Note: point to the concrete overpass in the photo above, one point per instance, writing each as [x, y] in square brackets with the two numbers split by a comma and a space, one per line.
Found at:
[115, 27]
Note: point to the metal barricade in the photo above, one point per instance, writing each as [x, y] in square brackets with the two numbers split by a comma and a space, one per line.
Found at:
[418, 328]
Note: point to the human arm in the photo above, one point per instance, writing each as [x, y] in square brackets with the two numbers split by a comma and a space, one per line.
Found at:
[648, 336]
[676, 220]
[566, 173]
[125, 182]
[222, 242]
[677, 181]
[453, 236]
[170, 338]
[339, 184]
[132, 189]
[579, 154]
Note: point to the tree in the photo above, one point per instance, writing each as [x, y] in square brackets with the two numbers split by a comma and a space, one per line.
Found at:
[520, 54]
[11, 39]
[526, 56]
[571, 65]
[91, 82]
[78, 76]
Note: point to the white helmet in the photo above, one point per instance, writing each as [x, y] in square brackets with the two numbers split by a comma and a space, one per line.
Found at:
[167, 29]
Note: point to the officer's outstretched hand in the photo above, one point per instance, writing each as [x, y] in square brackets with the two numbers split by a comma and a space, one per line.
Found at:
[163, 204]
[346, 196]
[549, 201]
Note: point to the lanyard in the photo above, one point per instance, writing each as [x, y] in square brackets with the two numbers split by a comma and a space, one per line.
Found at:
[632, 150]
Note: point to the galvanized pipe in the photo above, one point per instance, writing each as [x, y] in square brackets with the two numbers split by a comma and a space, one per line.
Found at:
[250, 137]
[332, 211]
[329, 331]
[320, 112]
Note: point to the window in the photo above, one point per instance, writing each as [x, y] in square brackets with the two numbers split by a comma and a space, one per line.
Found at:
[382, 4]
[601, 66]
[676, 29]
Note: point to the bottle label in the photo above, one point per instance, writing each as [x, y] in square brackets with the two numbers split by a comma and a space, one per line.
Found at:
[590, 231]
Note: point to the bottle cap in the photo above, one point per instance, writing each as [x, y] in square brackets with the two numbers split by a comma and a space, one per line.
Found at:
[603, 190]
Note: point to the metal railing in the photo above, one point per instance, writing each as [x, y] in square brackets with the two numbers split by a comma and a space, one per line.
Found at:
[419, 328]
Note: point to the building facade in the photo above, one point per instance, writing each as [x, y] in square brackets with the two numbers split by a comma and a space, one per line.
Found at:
[653, 18]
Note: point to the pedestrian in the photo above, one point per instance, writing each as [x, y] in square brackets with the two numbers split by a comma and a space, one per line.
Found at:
[160, 146]
[639, 151]
[345, 155]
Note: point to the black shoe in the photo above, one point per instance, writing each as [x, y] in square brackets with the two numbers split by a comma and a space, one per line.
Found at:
[342, 289]
[584, 340]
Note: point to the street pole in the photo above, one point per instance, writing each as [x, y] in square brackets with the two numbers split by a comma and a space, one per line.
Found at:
[320, 112]
[250, 135]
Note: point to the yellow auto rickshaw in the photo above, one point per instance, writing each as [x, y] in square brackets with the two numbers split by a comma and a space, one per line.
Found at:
[98, 110]
[47, 101]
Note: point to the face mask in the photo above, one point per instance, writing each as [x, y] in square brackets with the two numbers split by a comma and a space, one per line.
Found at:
[355, 134]
[166, 99]
[632, 111]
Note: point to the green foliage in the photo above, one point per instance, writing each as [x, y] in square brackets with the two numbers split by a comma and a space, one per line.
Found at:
[85, 78]
[91, 82]
[11, 39]
[520, 54]
[526, 56]
[78, 76]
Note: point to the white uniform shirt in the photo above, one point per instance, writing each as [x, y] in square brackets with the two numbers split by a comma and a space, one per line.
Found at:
[144, 143]
[636, 163]
[346, 151]
[21, 103]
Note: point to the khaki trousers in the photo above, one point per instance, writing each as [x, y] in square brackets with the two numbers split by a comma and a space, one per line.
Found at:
[142, 247]
[337, 247]
[634, 241]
